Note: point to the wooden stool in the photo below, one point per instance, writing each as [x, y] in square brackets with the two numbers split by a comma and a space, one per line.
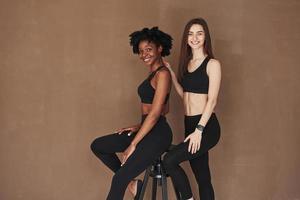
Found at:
[157, 173]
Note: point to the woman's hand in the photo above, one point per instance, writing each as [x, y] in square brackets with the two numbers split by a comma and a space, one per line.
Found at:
[194, 141]
[129, 130]
[177, 86]
[167, 65]
[127, 153]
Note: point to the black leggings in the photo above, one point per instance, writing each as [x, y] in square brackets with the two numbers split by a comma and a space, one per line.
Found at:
[155, 143]
[198, 160]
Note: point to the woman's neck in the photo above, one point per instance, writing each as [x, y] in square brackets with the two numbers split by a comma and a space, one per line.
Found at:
[198, 53]
[156, 65]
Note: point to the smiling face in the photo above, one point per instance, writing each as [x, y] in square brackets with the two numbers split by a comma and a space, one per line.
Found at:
[149, 52]
[196, 36]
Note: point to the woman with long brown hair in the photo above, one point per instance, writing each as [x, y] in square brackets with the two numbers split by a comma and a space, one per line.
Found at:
[198, 83]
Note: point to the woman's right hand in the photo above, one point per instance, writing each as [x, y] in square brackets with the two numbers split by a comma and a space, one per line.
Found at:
[167, 65]
[178, 87]
[131, 129]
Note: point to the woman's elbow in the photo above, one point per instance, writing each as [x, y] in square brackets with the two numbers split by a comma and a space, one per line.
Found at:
[155, 114]
[212, 102]
[181, 95]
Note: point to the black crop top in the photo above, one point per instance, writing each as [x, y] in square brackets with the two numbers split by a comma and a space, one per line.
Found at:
[196, 81]
[146, 91]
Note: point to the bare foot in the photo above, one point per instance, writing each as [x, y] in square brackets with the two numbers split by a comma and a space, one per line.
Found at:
[132, 187]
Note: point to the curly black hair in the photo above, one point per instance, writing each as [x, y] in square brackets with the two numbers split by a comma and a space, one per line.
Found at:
[151, 35]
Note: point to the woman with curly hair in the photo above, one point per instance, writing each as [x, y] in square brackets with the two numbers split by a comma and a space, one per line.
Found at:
[141, 144]
[198, 84]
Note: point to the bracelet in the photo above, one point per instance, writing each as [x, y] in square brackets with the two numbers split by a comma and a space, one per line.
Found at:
[200, 127]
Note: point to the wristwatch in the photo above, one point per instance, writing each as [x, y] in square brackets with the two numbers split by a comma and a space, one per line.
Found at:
[200, 127]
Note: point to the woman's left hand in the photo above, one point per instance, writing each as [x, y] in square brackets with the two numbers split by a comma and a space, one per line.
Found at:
[194, 141]
[127, 153]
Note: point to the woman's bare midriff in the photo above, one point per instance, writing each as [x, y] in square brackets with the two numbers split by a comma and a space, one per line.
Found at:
[194, 103]
[146, 108]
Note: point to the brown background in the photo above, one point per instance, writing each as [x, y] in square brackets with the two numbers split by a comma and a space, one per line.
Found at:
[68, 75]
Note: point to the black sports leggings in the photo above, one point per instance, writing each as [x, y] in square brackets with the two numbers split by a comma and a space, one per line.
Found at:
[198, 160]
[155, 143]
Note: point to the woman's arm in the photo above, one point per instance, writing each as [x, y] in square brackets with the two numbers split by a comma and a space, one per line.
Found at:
[214, 75]
[177, 86]
[163, 84]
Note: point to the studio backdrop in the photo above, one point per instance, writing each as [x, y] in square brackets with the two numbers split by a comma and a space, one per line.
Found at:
[68, 75]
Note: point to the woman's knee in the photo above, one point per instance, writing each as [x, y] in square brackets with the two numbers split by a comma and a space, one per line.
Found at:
[96, 146]
[169, 161]
[93, 145]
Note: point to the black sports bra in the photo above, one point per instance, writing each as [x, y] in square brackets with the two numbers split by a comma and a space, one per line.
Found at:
[196, 81]
[146, 91]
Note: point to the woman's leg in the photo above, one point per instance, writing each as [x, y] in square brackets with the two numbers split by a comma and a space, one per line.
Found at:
[171, 163]
[200, 165]
[201, 171]
[150, 148]
[210, 138]
[105, 148]
[179, 154]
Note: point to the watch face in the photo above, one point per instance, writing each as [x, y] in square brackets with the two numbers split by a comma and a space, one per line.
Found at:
[200, 127]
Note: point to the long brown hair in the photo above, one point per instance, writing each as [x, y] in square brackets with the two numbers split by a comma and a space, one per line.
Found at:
[186, 52]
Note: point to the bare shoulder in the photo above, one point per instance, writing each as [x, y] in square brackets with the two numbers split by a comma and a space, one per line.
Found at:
[163, 73]
[214, 63]
[213, 66]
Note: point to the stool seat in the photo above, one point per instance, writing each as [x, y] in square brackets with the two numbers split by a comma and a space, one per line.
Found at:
[157, 173]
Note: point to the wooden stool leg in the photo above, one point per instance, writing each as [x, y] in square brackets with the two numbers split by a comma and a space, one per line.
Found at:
[164, 187]
[154, 188]
[145, 181]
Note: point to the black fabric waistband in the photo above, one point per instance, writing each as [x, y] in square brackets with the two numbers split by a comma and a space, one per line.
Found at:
[197, 116]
